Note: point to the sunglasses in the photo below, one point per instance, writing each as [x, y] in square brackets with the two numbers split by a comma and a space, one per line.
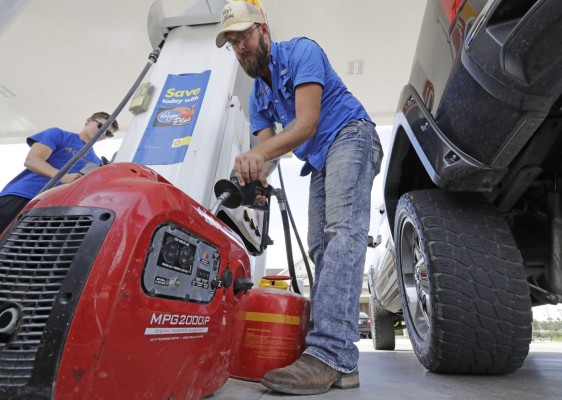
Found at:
[108, 133]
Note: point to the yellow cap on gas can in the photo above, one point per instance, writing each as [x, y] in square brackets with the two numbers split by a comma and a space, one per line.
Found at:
[275, 282]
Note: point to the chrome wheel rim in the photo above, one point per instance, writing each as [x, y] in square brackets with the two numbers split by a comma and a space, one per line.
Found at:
[415, 278]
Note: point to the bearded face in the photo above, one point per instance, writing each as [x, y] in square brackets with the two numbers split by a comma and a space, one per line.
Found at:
[255, 62]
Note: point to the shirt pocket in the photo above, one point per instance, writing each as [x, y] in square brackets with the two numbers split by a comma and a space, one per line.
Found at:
[287, 88]
[263, 102]
[265, 107]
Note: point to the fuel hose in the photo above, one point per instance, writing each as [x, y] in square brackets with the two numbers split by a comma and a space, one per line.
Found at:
[287, 214]
[152, 58]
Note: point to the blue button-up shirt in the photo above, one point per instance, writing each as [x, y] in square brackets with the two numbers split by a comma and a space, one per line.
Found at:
[293, 63]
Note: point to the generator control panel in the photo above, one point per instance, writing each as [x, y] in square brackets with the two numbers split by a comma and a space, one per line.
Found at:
[181, 266]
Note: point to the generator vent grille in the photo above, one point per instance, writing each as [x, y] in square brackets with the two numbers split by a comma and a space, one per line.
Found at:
[34, 261]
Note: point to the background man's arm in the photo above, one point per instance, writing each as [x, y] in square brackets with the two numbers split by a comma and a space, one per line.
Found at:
[36, 161]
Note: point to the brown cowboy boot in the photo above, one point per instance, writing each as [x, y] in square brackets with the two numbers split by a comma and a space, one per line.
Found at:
[308, 375]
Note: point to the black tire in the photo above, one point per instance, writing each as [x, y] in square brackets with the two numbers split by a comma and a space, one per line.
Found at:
[469, 308]
[382, 326]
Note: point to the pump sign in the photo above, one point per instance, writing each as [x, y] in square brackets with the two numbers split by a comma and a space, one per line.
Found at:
[172, 123]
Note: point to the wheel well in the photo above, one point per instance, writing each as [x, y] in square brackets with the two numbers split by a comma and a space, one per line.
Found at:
[405, 172]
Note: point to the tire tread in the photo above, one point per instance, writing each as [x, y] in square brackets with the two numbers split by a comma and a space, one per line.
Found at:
[481, 309]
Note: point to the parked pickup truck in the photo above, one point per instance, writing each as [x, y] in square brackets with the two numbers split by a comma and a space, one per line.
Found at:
[471, 234]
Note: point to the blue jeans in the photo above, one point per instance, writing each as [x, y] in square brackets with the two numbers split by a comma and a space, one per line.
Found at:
[338, 224]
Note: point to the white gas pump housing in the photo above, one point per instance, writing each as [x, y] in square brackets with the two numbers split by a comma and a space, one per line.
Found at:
[220, 130]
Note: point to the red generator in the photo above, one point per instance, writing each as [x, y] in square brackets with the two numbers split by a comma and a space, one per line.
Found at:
[120, 286]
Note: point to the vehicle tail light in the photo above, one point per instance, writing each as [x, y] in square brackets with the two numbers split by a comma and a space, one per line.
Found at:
[451, 9]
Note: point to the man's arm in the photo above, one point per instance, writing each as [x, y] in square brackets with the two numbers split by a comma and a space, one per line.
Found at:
[308, 97]
[36, 161]
[268, 166]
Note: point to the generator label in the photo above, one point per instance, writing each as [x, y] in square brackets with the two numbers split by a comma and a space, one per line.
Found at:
[173, 331]
[171, 126]
[179, 319]
[177, 324]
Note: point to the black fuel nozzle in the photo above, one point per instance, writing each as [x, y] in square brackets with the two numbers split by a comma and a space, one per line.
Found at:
[250, 193]
[231, 195]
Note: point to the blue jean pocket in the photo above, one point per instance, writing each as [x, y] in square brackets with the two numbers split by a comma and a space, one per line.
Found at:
[376, 155]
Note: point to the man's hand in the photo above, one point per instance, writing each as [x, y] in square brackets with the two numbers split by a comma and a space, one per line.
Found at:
[261, 199]
[249, 166]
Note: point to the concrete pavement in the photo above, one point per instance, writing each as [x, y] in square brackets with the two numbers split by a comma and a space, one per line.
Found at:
[398, 375]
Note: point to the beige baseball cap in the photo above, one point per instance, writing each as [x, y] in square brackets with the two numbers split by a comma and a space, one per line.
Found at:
[238, 16]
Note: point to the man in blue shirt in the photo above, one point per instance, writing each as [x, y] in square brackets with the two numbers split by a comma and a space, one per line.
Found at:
[326, 127]
[49, 151]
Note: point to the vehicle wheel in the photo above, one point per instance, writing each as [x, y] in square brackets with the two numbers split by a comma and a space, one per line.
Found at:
[462, 282]
[382, 327]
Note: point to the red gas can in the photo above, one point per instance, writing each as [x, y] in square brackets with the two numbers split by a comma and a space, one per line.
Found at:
[276, 323]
